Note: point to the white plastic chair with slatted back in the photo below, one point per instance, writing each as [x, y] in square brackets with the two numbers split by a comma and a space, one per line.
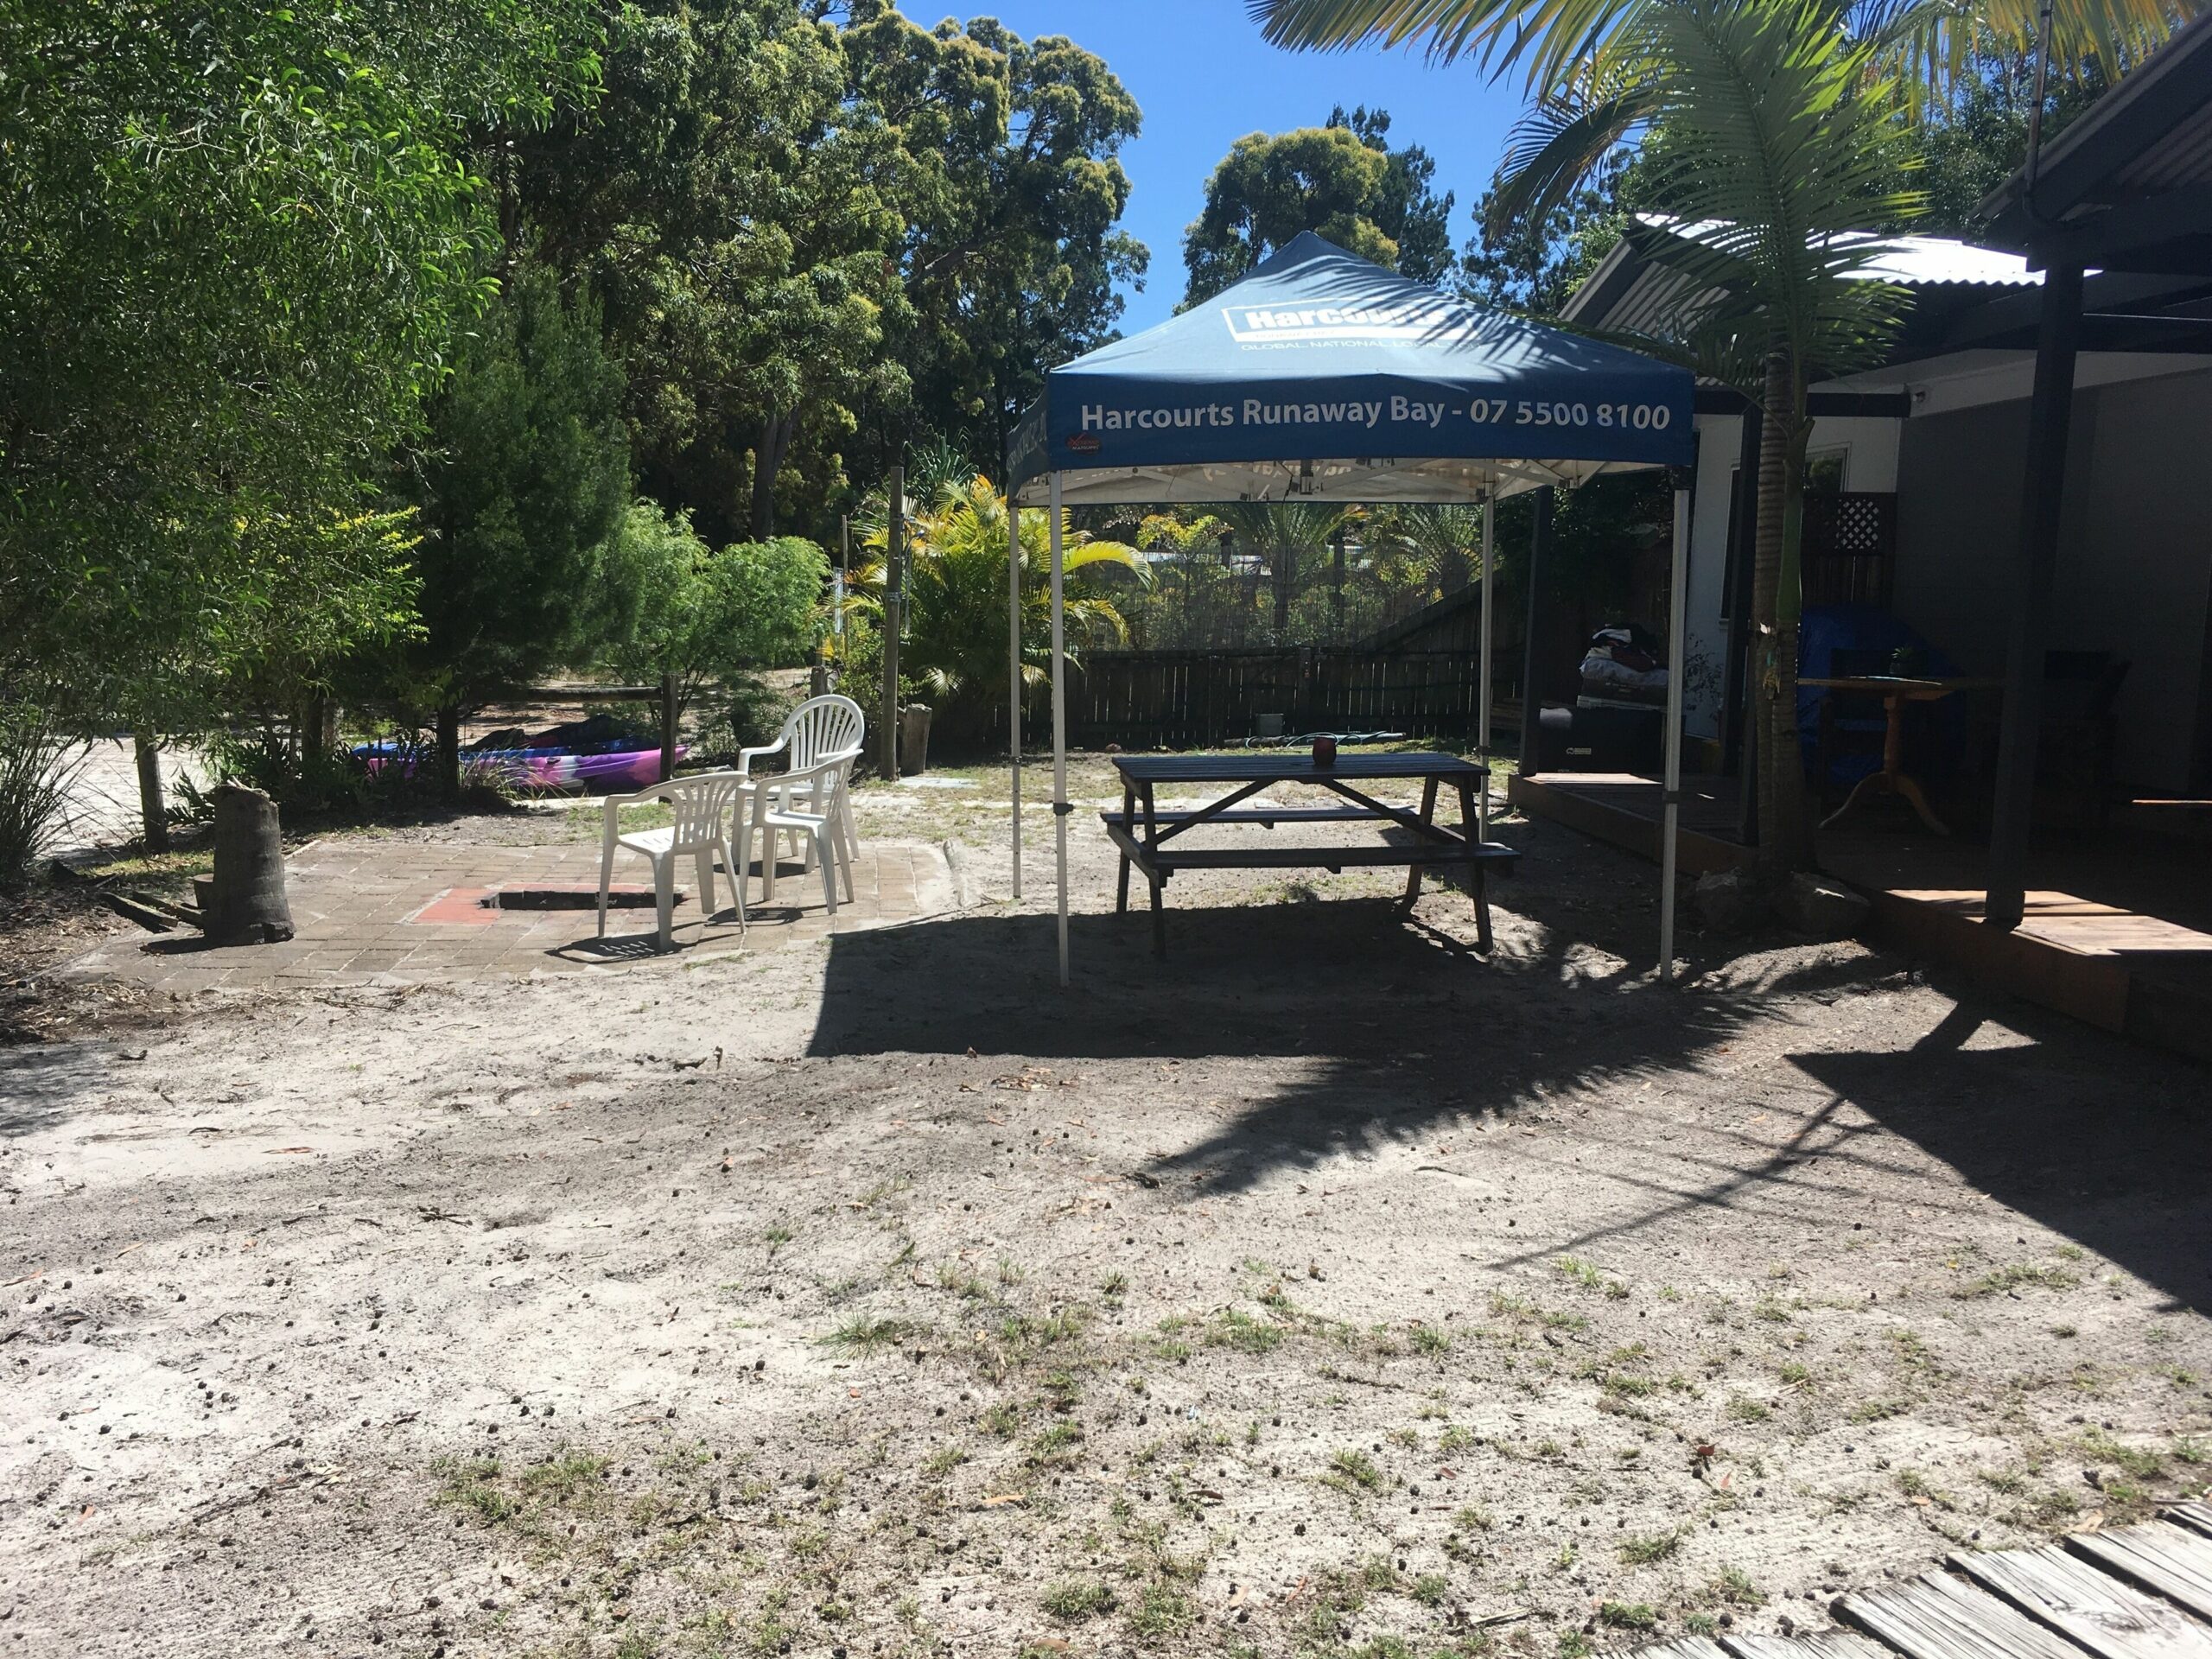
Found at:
[700, 808]
[819, 730]
[809, 807]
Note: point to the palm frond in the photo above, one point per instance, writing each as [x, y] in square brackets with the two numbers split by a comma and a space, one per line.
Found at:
[1559, 142]
[1932, 44]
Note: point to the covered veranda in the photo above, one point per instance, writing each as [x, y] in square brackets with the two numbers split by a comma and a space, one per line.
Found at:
[2114, 925]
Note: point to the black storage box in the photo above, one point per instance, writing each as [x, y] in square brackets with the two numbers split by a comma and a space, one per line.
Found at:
[1602, 739]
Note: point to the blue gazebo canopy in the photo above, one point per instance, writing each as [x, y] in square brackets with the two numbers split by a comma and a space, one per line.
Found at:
[1323, 375]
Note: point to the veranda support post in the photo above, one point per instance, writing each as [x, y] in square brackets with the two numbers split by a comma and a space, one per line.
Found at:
[2049, 408]
[1060, 805]
[1013, 672]
[1678, 574]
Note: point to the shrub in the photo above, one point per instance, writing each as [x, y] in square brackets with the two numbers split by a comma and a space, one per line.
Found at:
[38, 765]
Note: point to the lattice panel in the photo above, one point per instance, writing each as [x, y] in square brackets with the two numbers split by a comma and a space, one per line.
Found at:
[1849, 547]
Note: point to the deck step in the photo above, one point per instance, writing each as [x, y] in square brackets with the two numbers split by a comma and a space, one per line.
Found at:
[1936, 1616]
[2100, 1611]
[2173, 1561]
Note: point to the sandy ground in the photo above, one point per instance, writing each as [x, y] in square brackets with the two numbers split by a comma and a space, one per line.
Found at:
[1324, 1290]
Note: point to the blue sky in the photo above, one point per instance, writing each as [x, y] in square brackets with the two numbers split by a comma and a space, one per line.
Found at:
[1204, 78]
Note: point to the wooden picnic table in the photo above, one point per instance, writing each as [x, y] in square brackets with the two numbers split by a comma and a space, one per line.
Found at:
[1896, 690]
[1143, 831]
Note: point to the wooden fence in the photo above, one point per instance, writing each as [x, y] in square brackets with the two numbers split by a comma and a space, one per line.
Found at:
[1190, 699]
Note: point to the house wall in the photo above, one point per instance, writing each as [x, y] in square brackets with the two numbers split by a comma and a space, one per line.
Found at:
[1869, 447]
[1719, 439]
[2135, 561]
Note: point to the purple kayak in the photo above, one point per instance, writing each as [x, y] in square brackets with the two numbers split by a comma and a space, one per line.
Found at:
[612, 772]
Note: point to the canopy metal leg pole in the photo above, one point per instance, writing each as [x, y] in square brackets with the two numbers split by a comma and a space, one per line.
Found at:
[1013, 673]
[1670, 811]
[1482, 694]
[1060, 807]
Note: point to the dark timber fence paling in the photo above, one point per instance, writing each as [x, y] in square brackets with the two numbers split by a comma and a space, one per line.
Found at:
[1188, 699]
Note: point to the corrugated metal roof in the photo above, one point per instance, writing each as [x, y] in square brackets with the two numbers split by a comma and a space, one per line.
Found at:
[1656, 300]
[1918, 261]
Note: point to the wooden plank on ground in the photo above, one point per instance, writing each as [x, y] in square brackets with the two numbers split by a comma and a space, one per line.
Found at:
[2198, 1516]
[2104, 1613]
[1688, 1647]
[2159, 1555]
[1821, 1645]
[1936, 1617]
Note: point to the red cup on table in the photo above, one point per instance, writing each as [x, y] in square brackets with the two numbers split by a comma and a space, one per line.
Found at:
[1325, 751]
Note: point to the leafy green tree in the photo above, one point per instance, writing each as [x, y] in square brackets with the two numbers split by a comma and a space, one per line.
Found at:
[733, 210]
[234, 243]
[1408, 210]
[526, 471]
[1533, 263]
[675, 609]
[1977, 137]
[1011, 187]
[1342, 182]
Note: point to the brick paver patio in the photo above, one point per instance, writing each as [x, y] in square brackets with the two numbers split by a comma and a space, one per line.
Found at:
[391, 911]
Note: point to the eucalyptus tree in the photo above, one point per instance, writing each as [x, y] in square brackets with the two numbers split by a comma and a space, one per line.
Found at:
[1343, 181]
[1005, 165]
[733, 209]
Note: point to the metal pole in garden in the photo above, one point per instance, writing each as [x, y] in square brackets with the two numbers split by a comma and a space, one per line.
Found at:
[837, 609]
[1060, 807]
[1013, 673]
[893, 597]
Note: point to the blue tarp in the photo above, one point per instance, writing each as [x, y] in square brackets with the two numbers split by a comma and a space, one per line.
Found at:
[1323, 375]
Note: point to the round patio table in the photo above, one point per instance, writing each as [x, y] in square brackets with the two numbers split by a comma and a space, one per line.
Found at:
[1895, 690]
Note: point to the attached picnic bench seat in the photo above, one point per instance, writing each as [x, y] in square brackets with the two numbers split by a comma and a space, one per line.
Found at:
[1269, 815]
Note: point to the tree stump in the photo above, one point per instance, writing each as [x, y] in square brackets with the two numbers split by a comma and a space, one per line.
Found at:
[249, 905]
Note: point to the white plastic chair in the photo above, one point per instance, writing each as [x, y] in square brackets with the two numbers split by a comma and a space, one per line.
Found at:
[820, 730]
[807, 803]
[701, 807]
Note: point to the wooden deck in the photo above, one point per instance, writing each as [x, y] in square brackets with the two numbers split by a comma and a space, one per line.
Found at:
[2118, 933]
[2134, 1592]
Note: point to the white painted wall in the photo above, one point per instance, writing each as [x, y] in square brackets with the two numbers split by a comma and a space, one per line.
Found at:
[1706, 642]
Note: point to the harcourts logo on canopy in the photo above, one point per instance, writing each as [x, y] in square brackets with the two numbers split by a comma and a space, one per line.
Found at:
[1428, 320]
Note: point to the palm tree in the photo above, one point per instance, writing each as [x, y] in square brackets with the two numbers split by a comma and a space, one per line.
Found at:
[1932, 42]
[956, 596]
[1781, 139]
[1445, 541]
[1291, 535]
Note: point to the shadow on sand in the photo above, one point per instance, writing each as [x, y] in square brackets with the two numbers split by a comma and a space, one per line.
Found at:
[1396, 1027]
